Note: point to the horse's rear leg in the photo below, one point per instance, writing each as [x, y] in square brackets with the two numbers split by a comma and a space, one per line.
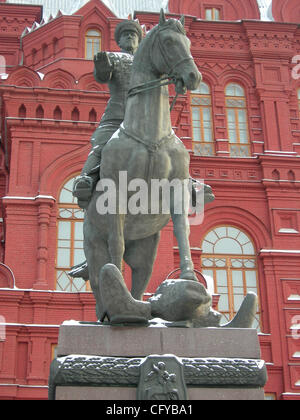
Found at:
[140, 256]
[116, 245]
[97, 256]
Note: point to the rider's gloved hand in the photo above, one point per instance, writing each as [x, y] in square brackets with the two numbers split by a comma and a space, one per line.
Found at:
[103, 66]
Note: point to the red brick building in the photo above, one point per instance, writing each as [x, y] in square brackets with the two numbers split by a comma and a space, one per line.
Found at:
[242, 129]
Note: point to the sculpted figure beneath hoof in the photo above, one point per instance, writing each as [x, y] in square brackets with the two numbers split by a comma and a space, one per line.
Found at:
[176, 303]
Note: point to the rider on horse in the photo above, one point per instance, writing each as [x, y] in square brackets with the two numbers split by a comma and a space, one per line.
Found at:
[114, 69]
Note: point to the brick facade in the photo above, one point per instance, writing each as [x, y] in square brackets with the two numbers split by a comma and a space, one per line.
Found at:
[42, 145]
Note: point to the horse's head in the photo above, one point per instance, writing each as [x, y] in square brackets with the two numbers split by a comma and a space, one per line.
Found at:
[171, 54]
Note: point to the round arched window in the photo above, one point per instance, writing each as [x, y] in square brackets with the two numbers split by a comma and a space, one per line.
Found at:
[69, 241]
[229, 259]
[93, 40]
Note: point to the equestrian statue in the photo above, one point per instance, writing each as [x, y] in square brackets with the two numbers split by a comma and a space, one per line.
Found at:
[135, 137]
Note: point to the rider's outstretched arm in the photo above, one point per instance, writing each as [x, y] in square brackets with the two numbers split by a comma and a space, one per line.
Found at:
[103, 67]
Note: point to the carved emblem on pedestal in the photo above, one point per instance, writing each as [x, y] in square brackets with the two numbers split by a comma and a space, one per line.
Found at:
[162, 378]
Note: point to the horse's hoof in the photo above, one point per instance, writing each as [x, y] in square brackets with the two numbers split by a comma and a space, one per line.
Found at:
[103, 316]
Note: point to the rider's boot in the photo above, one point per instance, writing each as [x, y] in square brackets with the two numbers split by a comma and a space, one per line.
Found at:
[80, 271]
[208, 193]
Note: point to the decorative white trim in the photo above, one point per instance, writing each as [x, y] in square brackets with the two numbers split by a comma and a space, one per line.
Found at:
[49, 119]
[48, 197]
[280, 180]
[12, 274]
[26, 386]
[15, 324]
[290, 393]
[281, 152]
[285, 230]
[292, 298]
[61, 292]
[281, 251]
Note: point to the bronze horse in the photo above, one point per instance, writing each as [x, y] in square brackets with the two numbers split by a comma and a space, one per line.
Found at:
[144, 148]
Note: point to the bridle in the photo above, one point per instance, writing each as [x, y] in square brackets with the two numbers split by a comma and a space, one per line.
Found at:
[163, 51]
[163, 81]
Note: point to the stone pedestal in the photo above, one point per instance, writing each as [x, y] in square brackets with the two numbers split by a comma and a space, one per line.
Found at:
[96, 362]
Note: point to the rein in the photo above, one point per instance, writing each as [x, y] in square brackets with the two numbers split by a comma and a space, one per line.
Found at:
[152, 148]
[154, 84]
[165, 80]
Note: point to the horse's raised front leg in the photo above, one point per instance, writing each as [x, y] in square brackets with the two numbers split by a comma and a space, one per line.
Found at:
[182, 232]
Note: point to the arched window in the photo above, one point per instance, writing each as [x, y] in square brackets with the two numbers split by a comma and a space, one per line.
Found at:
[55, 46]
[237, 121]
[22, 111]
[203, 139]
[92, 43]
[229, 258]
[39, 113]
[45, 51]
[69, 241]
[57, 113]
[34, 56]
[75, 115]
[93, 115]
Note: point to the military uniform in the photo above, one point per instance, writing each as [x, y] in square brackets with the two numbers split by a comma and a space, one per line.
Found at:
[118, 81]
[116, 72]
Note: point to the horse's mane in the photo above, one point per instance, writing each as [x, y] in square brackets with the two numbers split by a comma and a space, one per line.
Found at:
[172, 24]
